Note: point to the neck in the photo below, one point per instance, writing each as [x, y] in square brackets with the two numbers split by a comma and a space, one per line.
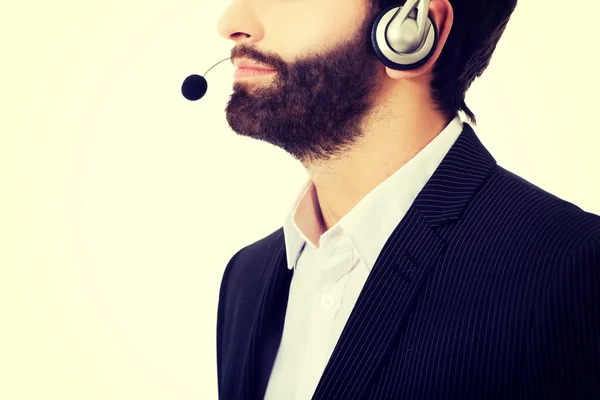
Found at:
[397, 129]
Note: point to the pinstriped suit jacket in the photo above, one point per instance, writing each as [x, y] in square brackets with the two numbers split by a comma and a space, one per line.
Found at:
[489, 288]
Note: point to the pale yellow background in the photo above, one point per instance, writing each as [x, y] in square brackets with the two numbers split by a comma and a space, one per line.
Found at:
[121, 202]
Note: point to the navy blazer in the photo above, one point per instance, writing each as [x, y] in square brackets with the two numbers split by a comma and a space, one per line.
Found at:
[488, 288]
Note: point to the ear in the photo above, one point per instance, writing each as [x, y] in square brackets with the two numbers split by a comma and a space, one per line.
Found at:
[442, 15]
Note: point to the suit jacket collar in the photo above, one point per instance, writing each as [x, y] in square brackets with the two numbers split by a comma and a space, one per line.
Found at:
[372, 220]
[389, 292]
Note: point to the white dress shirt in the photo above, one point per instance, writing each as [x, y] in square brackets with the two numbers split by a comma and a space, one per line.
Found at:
[329, 277]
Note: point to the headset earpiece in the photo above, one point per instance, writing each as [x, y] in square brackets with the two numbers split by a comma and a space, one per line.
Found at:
[400, 48]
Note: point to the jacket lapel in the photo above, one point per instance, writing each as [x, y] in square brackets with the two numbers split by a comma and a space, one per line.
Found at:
[390, 291]
[402, 268]
[382, 307]
[265, 324]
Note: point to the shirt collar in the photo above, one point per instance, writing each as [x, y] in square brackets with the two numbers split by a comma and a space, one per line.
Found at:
[373, 219]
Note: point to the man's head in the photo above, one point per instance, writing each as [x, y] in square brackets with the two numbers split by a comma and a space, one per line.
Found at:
[330, 85]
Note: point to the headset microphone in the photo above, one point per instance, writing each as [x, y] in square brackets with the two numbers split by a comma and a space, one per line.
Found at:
[403, 38]
[194, 86]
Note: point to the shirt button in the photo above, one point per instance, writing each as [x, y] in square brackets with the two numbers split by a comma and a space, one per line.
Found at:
[327, 301]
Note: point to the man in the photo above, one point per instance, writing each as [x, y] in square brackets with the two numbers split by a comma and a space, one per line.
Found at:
[412, 266]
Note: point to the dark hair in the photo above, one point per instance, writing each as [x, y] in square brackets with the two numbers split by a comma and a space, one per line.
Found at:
[477, 27]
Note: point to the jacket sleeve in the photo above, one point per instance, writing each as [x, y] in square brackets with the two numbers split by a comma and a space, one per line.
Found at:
[221, 318]
[562, 359]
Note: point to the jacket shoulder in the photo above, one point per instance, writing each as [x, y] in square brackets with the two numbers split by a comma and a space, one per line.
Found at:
[259, 251]
[245, 268]
[534, 205]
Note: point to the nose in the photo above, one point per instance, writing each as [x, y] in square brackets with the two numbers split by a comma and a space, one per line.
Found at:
[239, 23]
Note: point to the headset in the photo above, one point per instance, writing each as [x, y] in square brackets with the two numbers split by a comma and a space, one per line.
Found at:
[403, 36]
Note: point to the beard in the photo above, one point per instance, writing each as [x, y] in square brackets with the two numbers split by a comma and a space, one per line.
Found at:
[313, 107]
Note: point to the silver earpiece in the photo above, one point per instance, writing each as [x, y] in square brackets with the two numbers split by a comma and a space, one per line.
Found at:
[404, 37]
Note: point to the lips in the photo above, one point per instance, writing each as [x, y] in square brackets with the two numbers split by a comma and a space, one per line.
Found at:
[242, 64]
[248, 72]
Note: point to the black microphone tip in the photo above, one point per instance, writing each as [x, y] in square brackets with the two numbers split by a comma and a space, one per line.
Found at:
[194, 87]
